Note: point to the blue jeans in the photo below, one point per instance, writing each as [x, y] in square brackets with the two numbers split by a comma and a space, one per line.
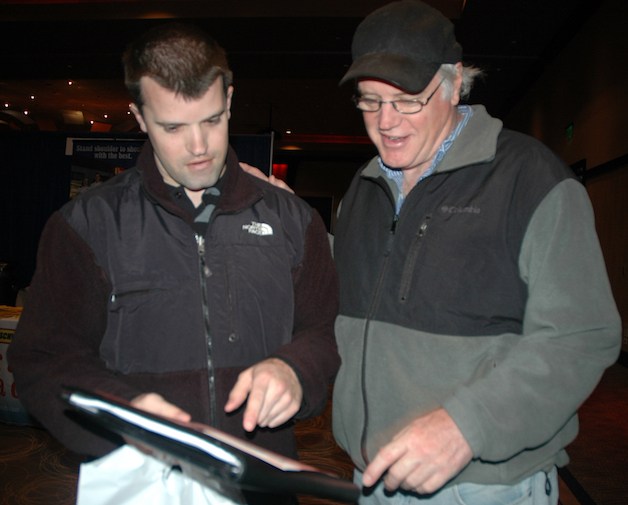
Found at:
[531, 491]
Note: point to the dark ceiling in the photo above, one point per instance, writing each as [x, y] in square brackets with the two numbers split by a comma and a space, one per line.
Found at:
[287, 57]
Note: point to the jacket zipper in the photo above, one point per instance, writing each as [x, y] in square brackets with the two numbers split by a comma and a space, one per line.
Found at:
[116, 296]
[369, 315]
[204, 273]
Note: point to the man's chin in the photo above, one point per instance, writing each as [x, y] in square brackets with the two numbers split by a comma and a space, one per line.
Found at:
[200, 184]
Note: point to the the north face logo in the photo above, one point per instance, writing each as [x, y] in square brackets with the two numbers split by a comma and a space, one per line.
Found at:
[256, 228]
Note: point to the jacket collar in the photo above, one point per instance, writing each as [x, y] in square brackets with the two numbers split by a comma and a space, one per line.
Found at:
[239, 190]
[476, 143]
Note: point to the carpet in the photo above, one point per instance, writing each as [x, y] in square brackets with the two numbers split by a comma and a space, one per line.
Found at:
[599, 455]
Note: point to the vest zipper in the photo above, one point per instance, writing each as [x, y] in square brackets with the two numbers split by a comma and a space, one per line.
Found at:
[204, 273]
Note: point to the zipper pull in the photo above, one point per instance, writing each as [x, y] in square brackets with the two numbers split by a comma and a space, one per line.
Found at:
[391, 235]
[200, 243]
[393, 226]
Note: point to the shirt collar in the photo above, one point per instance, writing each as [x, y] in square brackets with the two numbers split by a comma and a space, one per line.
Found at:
[397, 175]
[210, 196]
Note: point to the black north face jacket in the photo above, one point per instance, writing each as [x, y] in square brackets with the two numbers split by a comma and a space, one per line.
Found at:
[128, 299]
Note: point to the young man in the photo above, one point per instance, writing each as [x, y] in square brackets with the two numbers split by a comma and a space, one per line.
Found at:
[475, 311]
[185, 286]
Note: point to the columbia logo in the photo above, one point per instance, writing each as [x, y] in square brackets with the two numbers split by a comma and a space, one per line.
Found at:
[447, 209]
[256, 228]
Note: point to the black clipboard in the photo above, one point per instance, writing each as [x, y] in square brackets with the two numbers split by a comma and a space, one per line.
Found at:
[211, 456]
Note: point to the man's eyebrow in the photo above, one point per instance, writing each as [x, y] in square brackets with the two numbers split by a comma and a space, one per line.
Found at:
[218, 113]
[169, 123]
[180, 123]
[401, 95]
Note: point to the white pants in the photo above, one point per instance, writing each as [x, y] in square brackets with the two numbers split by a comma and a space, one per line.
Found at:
[531, 491]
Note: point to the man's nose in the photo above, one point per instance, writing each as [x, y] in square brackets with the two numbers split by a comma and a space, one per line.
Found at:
[388, 116]
[198, 141]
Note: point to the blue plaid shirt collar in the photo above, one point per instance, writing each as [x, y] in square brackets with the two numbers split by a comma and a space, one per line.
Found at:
[397, 175]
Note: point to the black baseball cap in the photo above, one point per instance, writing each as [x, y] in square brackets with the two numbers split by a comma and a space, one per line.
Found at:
[403, 43]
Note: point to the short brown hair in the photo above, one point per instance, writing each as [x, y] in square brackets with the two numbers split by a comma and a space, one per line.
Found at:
[179, 56]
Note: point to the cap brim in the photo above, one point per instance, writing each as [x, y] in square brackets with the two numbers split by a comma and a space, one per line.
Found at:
[399, 71]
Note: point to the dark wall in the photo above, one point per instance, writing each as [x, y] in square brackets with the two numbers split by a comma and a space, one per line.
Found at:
[34, 182]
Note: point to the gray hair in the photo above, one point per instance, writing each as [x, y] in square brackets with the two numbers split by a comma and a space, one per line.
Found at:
[449, 72]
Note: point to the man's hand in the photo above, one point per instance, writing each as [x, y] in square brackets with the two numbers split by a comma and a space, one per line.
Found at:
[250, 169]
[422, 457]
[155, 404]
[274, 394]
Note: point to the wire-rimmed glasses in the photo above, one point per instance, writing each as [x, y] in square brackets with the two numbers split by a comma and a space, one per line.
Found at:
[402, 105]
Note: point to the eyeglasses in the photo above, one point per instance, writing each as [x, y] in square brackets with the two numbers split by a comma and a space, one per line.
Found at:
[403, 106]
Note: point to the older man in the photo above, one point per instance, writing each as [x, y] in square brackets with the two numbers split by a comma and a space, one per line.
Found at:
[475, 311]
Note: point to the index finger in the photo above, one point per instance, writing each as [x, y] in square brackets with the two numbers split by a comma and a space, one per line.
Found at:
[254, 406]
[239, 392]
[385, 458]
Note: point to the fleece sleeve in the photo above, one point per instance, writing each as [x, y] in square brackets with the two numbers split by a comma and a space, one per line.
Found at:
[312, 353]
[571, 333]
[57, 340]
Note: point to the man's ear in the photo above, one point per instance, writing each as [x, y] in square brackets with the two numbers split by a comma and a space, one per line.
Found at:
[138, 116]
[229, 97]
